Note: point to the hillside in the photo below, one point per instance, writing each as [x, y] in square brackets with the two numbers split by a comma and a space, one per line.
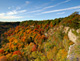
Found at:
[4, 26]
[48, 40]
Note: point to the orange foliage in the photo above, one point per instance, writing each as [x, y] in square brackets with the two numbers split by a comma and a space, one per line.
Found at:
[3, 58]
[50, 60]
[71, 43]
[65, 37]
[1, 51]
[17, 52]
[34, 48]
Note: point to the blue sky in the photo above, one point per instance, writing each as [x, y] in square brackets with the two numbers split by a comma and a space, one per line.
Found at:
[20, 10]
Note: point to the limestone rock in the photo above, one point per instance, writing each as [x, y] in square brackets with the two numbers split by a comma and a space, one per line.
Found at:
[72, 36]
[66, 29]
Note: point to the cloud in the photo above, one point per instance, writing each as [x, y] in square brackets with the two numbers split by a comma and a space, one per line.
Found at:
[9, 7]
[11, 14]
[22, 11]
[61, 13]
[56, 4]
[70, 8]
[67, 0]
[27, 2]
[18, 8]
[10, 17]
[50, 6]
[78, 10]
[2, 14]
[15, 12]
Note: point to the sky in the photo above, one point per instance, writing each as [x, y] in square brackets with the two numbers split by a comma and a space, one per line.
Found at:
[21, 10]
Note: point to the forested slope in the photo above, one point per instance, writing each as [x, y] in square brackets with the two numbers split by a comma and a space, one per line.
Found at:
[46, 40]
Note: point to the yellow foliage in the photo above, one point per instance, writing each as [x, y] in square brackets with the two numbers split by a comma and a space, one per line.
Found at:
[61, 55]
[52, 53]
[16, 41]
[28, 31]
[8, 55]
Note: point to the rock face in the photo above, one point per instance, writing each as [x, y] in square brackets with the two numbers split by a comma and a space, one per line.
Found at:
[72, 36]
[73, 54]
[66, 29]
[78, 30]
